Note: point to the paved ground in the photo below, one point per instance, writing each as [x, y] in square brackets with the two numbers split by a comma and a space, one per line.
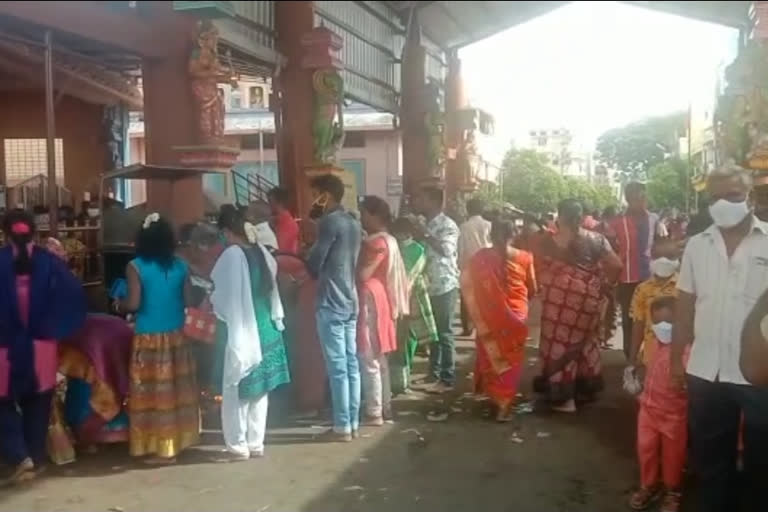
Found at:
[579, 463]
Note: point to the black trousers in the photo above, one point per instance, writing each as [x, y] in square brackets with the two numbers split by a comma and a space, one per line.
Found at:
[624, 293]
[714, 416]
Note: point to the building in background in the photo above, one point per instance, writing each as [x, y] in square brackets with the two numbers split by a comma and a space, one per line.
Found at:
[562, 153]
[372, 147]
[555, 144]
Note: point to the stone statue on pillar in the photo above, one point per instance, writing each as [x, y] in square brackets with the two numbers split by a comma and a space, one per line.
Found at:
[434, 125]
[322, 47]
[114, 127]
[206, 73]
[328, 122]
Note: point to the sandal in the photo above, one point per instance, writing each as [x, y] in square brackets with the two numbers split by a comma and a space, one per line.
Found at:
[644, 497]
[671, 502]
[24, 472]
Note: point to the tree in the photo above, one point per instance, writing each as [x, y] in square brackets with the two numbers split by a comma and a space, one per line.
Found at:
[668, 184]
[635, 148]
[529, 183]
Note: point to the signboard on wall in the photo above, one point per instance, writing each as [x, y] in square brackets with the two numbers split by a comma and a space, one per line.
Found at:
[394, 185]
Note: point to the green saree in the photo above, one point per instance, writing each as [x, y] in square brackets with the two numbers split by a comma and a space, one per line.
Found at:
[418, 328]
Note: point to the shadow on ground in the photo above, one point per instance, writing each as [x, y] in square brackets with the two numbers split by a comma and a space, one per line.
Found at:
[583, 462]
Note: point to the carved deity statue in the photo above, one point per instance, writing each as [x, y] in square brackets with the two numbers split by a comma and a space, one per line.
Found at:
[328, 120]
[206, 73]
[434, 125]
[743, 110]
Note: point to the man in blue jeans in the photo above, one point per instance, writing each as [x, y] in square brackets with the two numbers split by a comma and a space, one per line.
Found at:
[332, 261]
[441, 238]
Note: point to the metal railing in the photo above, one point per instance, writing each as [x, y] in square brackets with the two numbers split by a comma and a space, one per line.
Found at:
[250, 187]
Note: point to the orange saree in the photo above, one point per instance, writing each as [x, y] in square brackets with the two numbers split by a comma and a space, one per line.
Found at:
[496, 294]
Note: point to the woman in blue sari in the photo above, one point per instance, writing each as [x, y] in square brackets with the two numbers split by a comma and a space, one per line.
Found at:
[41, 302]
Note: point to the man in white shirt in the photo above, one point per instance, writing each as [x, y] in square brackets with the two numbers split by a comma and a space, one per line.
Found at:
[723, 274]
[474, 234]
[440, 236]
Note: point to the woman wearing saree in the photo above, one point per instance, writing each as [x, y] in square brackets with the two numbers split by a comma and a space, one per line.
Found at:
[418, 328]
[575, 265]
[247, 303]
[496, 284]
[41, 302]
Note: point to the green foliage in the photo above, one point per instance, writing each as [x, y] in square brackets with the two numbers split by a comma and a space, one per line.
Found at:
[489, 194]
[667, 184]
[529, 183]
[633, 149]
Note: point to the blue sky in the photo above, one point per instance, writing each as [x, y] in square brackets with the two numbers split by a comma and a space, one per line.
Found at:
[590, 66]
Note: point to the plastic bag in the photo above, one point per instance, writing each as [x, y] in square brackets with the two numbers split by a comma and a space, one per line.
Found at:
[632, 383]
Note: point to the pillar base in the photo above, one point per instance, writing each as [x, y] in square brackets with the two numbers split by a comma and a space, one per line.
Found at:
[207, 156]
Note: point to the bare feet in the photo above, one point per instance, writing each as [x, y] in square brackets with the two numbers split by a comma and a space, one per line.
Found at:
[504, 414]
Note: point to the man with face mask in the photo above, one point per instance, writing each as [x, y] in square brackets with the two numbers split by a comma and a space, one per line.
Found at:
[723, 274]
[333, 260]
[663, 282]
[635, 232]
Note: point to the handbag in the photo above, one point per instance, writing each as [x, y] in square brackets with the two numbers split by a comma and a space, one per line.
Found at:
[200, 323]
[59, 441]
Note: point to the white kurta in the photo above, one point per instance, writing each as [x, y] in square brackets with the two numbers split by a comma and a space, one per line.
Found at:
[243, 421]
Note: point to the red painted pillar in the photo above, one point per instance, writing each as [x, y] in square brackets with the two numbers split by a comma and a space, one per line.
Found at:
[413, 111]
[169, 119]
[455, 100]
[295, 143]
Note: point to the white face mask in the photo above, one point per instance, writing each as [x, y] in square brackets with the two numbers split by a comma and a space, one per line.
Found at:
[726, 214]
[664, 267]
[663, 332]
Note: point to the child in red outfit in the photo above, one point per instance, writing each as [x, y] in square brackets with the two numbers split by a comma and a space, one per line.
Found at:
[662, 423]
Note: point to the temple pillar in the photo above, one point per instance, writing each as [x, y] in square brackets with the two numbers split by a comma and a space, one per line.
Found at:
[413, 111]
[169, 121]
[455, 101]
[295, 143]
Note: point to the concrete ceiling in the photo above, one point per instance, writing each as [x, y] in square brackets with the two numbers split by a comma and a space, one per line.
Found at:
[453, 24]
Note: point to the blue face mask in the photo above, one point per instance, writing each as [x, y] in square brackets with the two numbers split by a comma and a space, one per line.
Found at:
[663, 332]
[222, 238]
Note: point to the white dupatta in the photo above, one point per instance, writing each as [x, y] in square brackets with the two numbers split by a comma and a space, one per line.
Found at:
[398, 286]
[232, 303]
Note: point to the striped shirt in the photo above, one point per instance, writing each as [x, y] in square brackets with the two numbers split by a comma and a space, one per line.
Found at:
[726, 290]
[634, 236]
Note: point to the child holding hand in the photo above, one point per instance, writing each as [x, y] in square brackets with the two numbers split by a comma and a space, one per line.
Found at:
[662, 423]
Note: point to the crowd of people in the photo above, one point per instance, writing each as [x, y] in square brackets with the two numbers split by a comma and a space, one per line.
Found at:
[374, 292]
